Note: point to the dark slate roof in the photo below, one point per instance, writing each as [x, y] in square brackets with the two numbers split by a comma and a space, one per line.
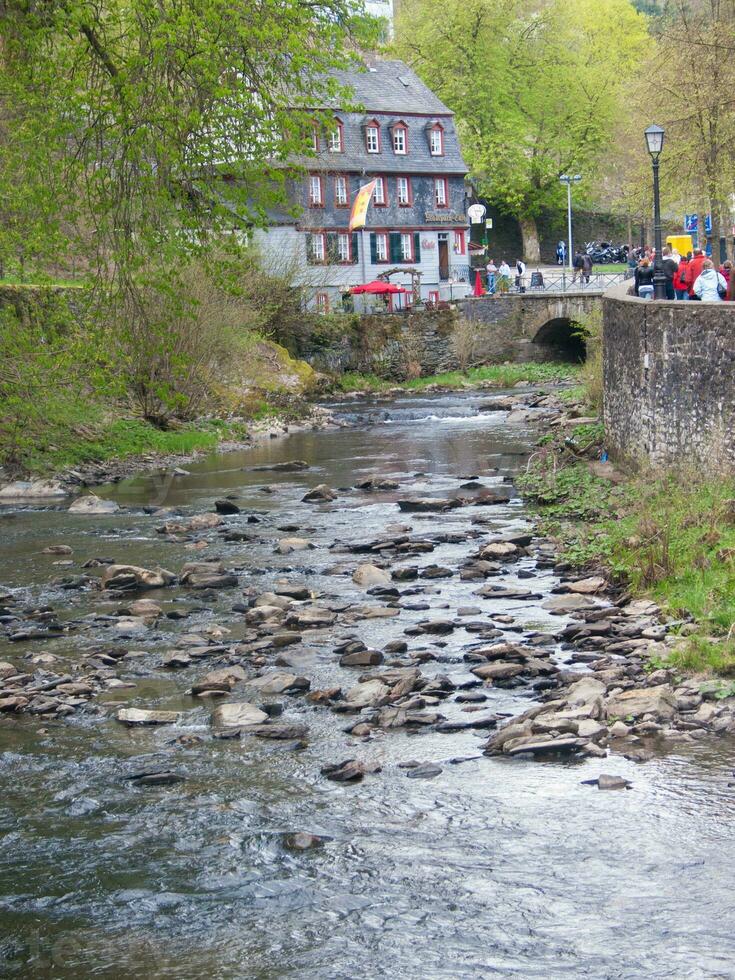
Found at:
[391, 86]
[418, 160]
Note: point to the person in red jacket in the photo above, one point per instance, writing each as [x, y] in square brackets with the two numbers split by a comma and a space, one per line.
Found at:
[694, 271]
[681, 289]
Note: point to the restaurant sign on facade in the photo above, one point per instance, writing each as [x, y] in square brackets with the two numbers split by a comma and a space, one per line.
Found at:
[444, 218]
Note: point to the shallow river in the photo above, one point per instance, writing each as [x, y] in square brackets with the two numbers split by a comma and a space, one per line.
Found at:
[495, 868]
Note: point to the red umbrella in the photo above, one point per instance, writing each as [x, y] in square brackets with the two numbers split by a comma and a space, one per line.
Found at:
[378, 287]
[478, 290]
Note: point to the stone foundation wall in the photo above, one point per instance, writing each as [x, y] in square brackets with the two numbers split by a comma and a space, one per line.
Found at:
[669, 381]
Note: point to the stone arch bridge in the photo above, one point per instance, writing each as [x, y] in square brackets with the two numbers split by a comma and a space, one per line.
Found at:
[528, 326]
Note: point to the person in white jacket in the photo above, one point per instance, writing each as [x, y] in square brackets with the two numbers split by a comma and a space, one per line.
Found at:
[710, 284]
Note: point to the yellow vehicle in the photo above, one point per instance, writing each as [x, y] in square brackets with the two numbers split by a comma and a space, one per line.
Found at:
[680, 243]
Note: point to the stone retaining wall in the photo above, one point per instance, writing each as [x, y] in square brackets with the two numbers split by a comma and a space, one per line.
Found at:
[669, 380]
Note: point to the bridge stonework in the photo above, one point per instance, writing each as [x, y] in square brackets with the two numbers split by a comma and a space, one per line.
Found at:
[517, 327]
[669, 382]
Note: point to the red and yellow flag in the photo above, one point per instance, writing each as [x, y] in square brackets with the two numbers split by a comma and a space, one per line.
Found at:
[358, 215]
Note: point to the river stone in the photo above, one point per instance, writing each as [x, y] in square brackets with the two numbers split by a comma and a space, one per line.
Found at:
[271, 599]
[278, 683]
[207, 575]
[658, 701]
[7, 670]
[500, 592]
[559, 605]
[584, 691]
[605, 781]
[367, 693]
[288, 591]
[277, 731]
[93, 505]
[311, 617]
[225, 675]
[319, 494]
[226, 507]
[587, 586]
[287, 639]
[427, 770]
[428, 504]
[499, 551]
[133, 576]
[287, 546]
[370, 575]
[141, 716]
[57, 549]
[13, 703]
[349, 771]
[543, 744]
[302, 841]
[498, 671]
[236, 714]
[27, 489]
[145, 608]
[362, 658]
[261, 614]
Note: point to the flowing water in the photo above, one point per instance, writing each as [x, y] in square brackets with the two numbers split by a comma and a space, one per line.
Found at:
[495, 868]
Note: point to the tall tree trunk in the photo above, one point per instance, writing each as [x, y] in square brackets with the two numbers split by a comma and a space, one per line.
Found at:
[629, 230]
[531, 245]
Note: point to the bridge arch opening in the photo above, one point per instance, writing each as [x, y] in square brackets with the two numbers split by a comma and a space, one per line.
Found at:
[561, 340]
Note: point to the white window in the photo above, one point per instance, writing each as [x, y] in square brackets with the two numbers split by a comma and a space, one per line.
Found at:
[322, 302]
[379, 194]
[381, 248]
[404, 190]
[459, 243]
[372, 139]
[335, 139]
[399, 140]
[315, 139]
[318, 248]
[343, 248]
[315, 191]
[440, 192]
[340, 191]
[436, 142]
[407, 247]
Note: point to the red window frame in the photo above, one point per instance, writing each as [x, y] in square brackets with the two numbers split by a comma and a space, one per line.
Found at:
[399, 127]
[323, 260]
[348, 236]
[438, 128]
[411, 251]
[409, 200]
[384, 202]
[320, 203]
[340, 129]
[346, 202]
[434, 296]
[373, 124]
[315, 137]
[461, 241]
[321, 301]
[382, 236]
[445, 183]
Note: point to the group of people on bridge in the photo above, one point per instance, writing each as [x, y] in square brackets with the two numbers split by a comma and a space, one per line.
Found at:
[689, 277]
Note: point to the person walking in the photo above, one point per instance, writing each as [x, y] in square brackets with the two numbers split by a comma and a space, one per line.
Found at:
[644, 279]
[492, 272]
[694, 270]
[520, 273]
[710, 285]
[504, 274]
[577, 265]
[679, 282]
[561, 253]
[669, 266]
[726, 270]
[587, 267]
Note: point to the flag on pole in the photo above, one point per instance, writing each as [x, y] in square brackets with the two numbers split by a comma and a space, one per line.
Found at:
[358, 215]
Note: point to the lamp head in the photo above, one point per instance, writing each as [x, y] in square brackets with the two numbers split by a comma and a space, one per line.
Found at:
[654, 141]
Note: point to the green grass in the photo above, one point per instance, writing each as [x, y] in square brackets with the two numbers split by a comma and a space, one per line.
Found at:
[38, 280]
[497, 375]
[123, 439]
[610, 268]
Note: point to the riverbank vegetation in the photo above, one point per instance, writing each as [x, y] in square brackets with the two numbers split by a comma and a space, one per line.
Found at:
[667, 536]
[492, 375]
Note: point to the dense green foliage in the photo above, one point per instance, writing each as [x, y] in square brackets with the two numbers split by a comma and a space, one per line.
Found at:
[537, 90]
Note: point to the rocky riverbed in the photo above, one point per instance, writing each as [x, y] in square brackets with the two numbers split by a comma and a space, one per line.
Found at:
[367, 606]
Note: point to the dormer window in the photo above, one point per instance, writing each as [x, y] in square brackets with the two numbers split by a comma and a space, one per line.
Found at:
[372, 137]
[336, 138]
[436, 141]
[400, 139]
[315, 138]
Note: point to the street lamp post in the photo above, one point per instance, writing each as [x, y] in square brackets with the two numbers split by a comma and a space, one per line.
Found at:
[655, 144]
[569, 180]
